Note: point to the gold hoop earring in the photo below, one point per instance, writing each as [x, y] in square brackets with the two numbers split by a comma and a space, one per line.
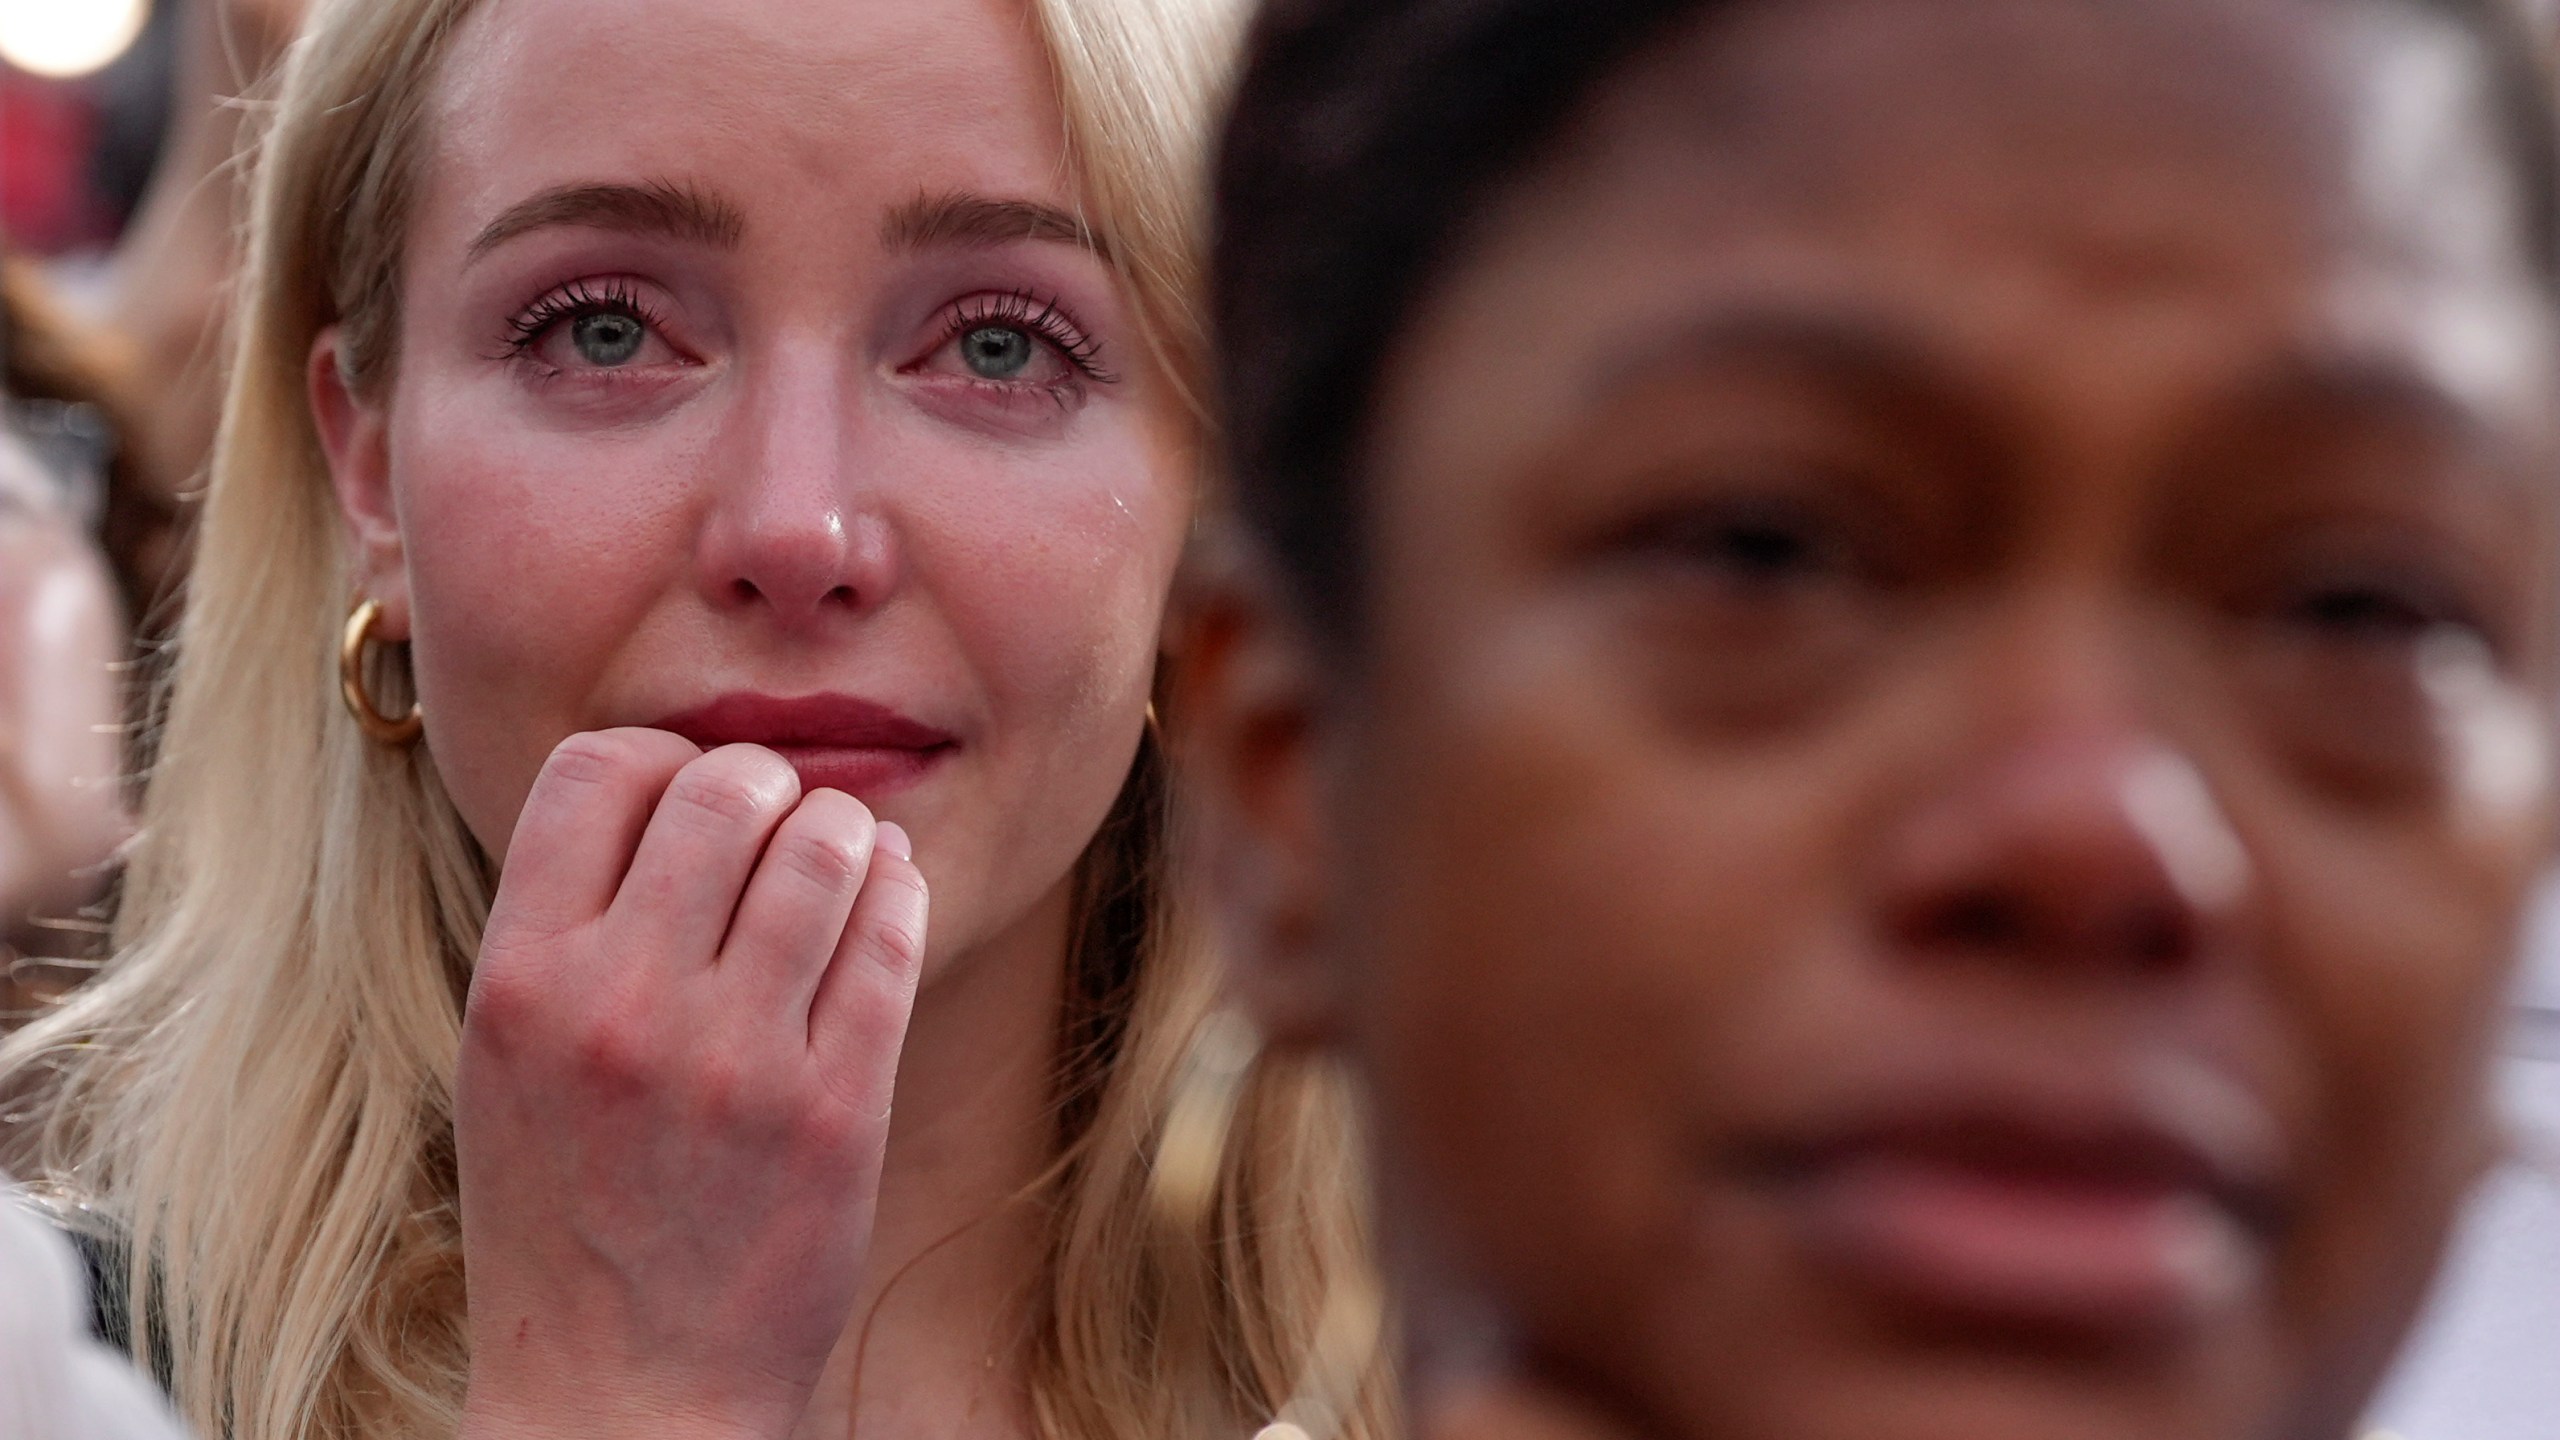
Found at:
[1155, 727]
[1183, 1190]
[382, 729]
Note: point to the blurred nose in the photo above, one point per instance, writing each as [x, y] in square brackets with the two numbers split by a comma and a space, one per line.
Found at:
[795, 528]
[2073, 835]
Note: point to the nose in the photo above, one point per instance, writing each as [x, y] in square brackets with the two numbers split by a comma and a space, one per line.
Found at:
[2077, 839]
[795, 528]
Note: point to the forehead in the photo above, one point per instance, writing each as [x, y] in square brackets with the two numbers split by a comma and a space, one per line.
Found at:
[770, 102]
[1862, 88]
[2174, 173]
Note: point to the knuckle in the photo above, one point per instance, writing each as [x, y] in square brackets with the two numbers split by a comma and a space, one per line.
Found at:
[502, 1006]
[898, 880]
[722, 1088]
[714, 802]
[874, 1026]
[826, 859]
[615, 1050]
[590, 757]
[510, 993]
[610, 1058]
[745, 1100]
[829, 1128]
[898, 932]
[733, 786]
[899, 947]
[526, 923]
[613, 760]
[836, 809]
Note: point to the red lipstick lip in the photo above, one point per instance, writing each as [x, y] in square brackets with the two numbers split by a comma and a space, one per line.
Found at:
[809, 722]
[834, 742]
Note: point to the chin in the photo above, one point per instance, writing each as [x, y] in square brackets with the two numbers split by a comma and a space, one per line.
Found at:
[1814, 1362]
[1978, 1399]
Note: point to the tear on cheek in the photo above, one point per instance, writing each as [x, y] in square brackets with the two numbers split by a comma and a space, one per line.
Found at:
[2496, 738]
[2176, 812]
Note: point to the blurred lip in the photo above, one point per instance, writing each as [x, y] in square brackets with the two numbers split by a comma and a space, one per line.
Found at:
[834, 742]
[2100, 1216]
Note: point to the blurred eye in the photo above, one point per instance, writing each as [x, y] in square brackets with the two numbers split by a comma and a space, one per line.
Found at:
[2350, 681]
[1760, 552]
[1755, 546]
[2370, 612]
[1742, 610]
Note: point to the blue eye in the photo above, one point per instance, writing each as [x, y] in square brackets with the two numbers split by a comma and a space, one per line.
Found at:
[1016, 341]
[590, 325]
[997, 352]
[607, 338]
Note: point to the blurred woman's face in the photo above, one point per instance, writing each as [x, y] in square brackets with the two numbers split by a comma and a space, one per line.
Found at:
[758, 380]
[1951, 725]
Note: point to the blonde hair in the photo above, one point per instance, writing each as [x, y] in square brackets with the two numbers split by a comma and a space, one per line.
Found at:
[256, 1091]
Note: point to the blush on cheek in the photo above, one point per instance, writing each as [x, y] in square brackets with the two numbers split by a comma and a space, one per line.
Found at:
[1062, 582]
[531, 565]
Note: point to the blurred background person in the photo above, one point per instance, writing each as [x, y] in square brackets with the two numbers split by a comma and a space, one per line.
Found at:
[57, 1382]
[1892, 684]
[120, 125]
[123, 178]
[167, 286]
[63, 646]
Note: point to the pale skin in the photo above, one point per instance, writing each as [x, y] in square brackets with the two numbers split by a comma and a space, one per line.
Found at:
[720, 433]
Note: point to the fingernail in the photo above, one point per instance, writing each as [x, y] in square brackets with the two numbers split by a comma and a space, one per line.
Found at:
[893, 838]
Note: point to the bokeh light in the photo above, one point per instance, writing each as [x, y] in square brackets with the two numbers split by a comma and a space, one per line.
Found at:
[66, 39]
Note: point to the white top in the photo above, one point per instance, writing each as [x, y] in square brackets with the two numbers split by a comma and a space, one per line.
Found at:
[56, 1381]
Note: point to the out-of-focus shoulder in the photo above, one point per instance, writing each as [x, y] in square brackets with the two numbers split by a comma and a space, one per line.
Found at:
[56, 1378]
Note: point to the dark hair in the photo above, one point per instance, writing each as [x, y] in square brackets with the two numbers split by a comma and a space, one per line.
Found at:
[1365, 136]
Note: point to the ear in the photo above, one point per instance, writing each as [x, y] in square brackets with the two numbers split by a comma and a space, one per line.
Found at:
[355, 438]
[1250, 692]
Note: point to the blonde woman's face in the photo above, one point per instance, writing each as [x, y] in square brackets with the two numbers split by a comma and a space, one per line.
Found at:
[756, 381]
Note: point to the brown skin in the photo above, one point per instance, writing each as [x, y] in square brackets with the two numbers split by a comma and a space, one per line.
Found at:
[1927, 556]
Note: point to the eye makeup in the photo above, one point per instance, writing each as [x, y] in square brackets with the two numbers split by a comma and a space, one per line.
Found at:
[1043, 319]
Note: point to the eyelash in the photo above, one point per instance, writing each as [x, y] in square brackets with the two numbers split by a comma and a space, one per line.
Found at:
[570, 301]
[1033, 315]
[1019, 308]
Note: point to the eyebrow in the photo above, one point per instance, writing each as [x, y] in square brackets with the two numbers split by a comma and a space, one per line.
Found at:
[2367, 382]
[1870, 355]
[1882, 358]
[655, 207]
[960, 219]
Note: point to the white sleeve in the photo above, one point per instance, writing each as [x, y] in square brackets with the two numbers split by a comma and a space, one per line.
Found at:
[56, 1381]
